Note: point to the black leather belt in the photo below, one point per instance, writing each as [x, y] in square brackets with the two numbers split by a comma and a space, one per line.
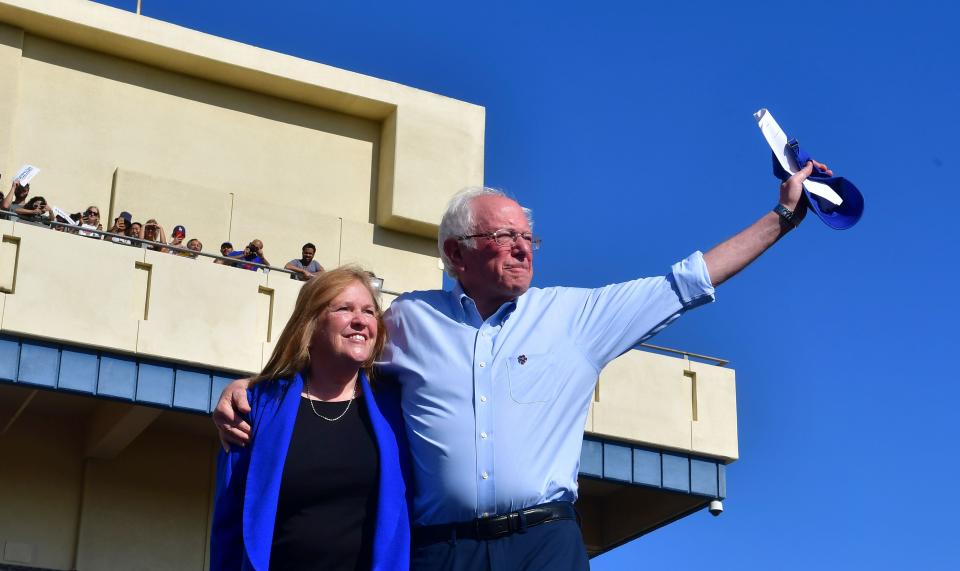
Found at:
[496, 526]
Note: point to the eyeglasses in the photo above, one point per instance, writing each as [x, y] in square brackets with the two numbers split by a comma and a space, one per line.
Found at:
[507, 238]
[92, 213]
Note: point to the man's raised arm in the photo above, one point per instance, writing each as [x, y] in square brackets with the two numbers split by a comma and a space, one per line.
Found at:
[726, 259]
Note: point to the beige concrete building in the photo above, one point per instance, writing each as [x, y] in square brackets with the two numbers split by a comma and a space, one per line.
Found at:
[111, 356]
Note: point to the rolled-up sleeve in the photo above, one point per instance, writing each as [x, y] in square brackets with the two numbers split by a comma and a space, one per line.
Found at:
[692, 281]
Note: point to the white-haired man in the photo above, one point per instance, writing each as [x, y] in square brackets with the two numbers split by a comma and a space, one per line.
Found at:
[497, 378]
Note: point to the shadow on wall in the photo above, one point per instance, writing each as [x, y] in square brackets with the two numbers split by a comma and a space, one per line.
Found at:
[208, 93]
[404, 242]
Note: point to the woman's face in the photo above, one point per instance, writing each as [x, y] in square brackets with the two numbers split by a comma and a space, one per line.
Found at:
[135, 229]
[347, 328]
[121, 225]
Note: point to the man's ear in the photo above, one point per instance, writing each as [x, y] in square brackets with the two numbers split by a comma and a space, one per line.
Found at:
[454, 251]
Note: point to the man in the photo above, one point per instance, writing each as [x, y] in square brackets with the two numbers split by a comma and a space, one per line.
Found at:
[16, 198]
[194, 245]
[497, 379]
[306, 267]
[226, 249]
[252, 253]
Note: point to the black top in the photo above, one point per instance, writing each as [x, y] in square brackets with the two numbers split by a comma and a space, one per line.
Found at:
[327, 507]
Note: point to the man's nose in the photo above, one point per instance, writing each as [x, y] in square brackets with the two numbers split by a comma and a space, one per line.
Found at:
[521, 249]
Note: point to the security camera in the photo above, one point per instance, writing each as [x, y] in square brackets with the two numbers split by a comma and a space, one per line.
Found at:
[716, 507]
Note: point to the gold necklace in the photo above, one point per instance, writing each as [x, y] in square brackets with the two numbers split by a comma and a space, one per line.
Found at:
[314, 408]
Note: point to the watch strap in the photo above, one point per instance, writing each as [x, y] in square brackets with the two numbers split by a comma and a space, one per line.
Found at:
[787, 214]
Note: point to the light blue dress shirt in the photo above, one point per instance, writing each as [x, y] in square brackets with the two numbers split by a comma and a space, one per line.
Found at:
[495, 408]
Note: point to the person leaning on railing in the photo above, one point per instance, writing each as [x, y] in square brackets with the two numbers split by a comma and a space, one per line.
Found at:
[306, 267]
[225, 250]
[153, 232]
[252, 253]
[35, 211]
[14, 199]
[121, 226]
[135, 230]
[90, 220]
[194, 245]
[178, 235]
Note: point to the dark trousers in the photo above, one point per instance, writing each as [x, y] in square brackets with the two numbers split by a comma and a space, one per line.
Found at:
[554, 545]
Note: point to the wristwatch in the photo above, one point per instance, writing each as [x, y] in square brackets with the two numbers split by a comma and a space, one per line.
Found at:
[786, 214]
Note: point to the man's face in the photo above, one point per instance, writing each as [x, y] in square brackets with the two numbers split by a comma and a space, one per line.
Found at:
[308, 255]
[224, 250]
[21, 192]
[490, 271]
[194, 245]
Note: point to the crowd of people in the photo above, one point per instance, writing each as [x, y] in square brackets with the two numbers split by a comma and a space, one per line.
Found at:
[17, 204]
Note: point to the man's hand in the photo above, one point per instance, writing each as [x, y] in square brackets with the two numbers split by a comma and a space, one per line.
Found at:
[231, 427]
[791, 190]
[729, 257]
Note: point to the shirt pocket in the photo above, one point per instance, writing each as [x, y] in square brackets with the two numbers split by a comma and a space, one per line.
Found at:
[533, 378]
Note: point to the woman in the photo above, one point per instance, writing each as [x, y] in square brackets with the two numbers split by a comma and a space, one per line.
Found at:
[35, 211]
[153, 232]
[135, 230]
[121, 227]
[321, 486]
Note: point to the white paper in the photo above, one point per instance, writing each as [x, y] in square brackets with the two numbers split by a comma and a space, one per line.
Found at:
[26, 174]
[64, 215]
[778, 140]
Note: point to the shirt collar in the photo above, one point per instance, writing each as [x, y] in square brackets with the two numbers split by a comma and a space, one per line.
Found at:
[470, 314]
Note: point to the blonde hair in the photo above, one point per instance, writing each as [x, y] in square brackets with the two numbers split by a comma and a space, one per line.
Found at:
[292, 352]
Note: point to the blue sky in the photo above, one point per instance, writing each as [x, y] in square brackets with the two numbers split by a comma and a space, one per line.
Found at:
[627, 128]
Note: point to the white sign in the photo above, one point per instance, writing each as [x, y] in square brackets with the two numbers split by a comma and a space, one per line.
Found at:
[26, 174]
[66, 217]
[777, 140]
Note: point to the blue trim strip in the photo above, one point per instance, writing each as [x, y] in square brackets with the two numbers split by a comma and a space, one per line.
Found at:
[191, 389]
[109, 375]
[638, 466]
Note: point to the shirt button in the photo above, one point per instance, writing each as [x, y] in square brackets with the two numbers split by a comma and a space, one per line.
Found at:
[484, 475]
[483, 435]
[483, 364]
[483, 398]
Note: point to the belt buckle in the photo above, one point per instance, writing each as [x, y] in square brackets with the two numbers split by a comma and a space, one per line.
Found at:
[493, 527]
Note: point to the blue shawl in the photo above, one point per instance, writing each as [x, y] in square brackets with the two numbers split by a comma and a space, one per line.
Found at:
[248, 479]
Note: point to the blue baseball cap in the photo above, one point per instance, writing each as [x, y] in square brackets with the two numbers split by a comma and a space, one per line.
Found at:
[837, 216]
